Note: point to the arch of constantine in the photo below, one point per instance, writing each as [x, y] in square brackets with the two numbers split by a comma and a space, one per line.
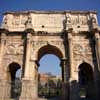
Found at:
[73, 36]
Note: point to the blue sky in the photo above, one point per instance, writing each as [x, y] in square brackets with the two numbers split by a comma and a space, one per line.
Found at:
[51, 62]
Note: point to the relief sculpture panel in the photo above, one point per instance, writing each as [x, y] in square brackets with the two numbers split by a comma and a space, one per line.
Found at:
[14, 48]
[79, 19]
[82, 52]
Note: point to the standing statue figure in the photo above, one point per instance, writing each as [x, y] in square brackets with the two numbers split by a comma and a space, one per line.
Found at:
[29, 22]
[66, 22]
[93, 20]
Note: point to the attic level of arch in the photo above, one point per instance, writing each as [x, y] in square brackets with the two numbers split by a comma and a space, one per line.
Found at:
[50, 22]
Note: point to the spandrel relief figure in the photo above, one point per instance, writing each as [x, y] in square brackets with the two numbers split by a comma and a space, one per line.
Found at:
[78, 49]
[14, 49]
[64, 23]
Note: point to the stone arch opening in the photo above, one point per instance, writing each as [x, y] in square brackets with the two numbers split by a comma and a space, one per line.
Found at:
[51, 50]
[13, 68]
[86, 80]
[15, 81]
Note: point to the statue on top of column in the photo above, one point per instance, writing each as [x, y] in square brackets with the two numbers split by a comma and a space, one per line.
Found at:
[29, 22]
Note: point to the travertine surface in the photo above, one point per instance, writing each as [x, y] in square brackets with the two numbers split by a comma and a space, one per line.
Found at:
[50, 21]
[27, 36]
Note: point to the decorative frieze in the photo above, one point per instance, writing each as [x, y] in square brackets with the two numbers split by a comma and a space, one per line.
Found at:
[39, 43]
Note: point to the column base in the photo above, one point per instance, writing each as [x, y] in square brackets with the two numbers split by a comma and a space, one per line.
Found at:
[5, 90]
[65, 91]
[29, 90]
[74, 90]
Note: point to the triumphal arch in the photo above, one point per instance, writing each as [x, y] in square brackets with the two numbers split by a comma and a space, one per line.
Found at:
[73, 36]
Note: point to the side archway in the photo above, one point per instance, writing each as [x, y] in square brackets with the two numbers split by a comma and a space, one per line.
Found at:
[86, 80]
[85, 73]
[15, 81]
[13, 68]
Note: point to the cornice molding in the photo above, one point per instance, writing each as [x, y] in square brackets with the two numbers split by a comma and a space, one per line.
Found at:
[2, 30]
[51, 12]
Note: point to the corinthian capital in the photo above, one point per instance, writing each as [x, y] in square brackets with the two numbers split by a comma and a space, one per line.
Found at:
[97, 35]
[63, 61]
[69, 36]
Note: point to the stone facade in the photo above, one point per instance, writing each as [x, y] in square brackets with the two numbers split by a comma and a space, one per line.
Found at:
[73, 36]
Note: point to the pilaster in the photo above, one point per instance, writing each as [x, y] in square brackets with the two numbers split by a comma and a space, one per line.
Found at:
[2, 48]
[97, 47]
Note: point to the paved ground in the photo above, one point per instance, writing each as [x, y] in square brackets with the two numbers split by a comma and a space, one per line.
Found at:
[55, 98]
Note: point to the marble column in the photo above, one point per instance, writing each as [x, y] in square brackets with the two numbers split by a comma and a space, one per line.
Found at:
[97, 48]
[30, 86]
[97, 40]
[64, 70]
[3, 41]
[65, 80]
[27, 56]
[29, 81]
[34, 76]
[70, 54]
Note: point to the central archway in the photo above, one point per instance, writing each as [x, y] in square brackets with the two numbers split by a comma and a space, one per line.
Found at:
[50, 49]
[53, 50]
